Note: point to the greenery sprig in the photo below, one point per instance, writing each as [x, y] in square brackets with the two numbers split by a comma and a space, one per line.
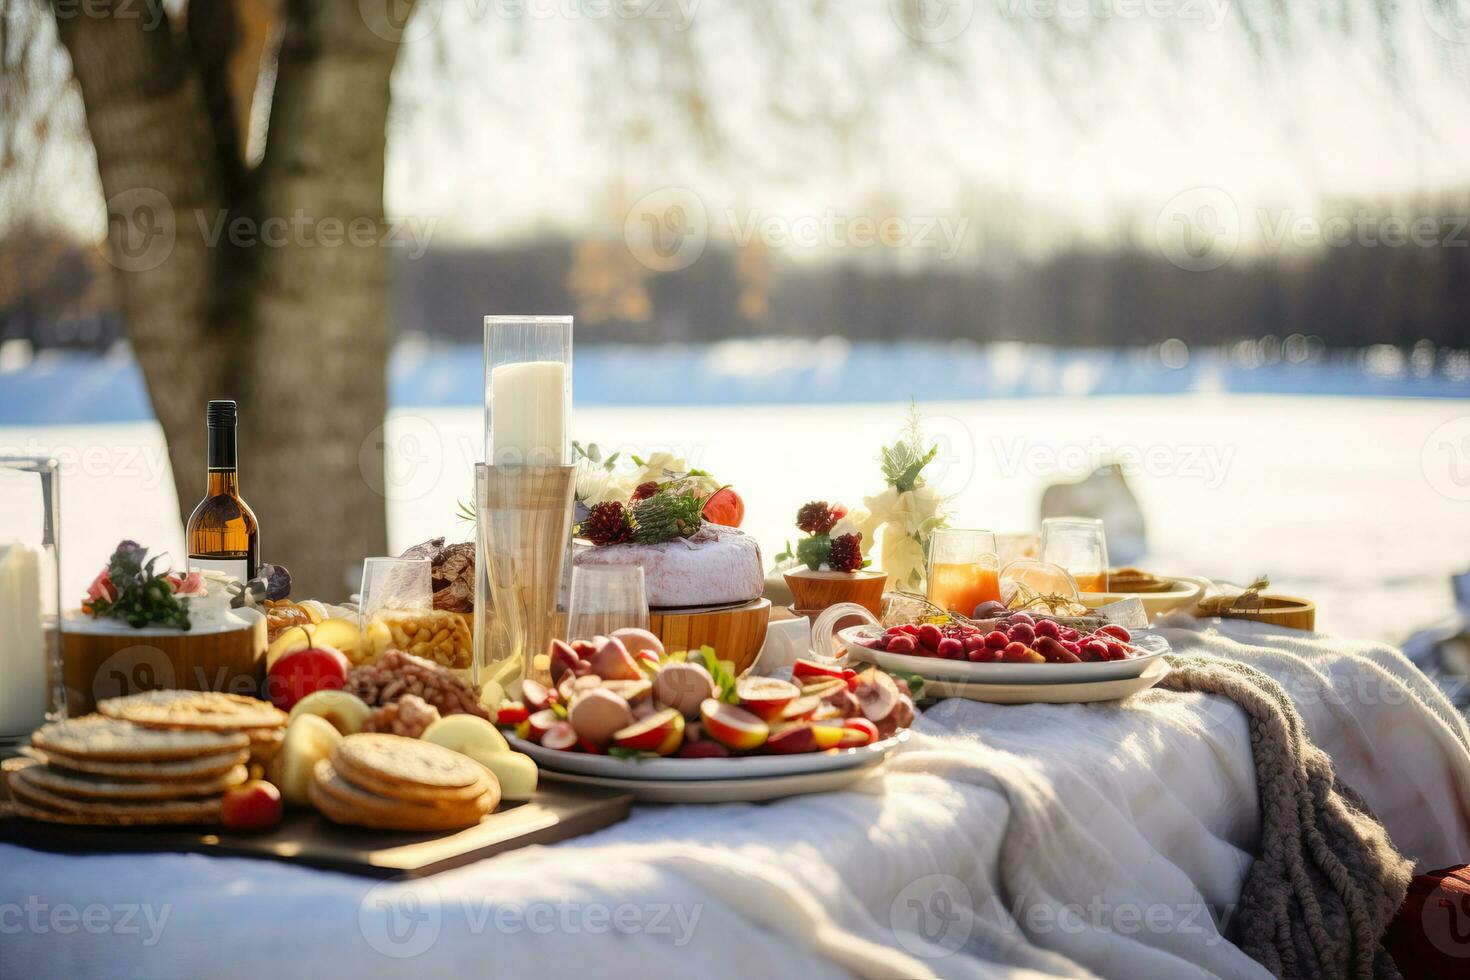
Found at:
[137, 594]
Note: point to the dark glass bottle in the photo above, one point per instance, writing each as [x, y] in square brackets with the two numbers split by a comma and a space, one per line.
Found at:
[223, 533]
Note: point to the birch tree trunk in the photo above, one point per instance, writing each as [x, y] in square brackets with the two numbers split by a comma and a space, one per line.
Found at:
[268, 284]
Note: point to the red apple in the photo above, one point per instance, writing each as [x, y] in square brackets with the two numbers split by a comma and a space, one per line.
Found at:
[804, 738]
[724, 506]
[302, 672]
[255, 805]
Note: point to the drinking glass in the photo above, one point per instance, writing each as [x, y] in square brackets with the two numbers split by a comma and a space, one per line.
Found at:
[31, 687]
[1079, 545]
[1016, 546]
[395, 585]
[606, 598]
[964, 569]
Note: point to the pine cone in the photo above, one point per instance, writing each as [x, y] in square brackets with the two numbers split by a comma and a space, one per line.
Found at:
[666, 515]
[846, 554]
[607, 523]
[816, 517]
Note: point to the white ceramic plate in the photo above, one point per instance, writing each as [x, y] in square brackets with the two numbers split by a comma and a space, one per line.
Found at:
[1080, 693]
[678, 770]
[726, 790]
[933, 668]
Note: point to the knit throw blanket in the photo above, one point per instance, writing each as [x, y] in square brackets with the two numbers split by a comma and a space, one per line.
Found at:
[1327, 881]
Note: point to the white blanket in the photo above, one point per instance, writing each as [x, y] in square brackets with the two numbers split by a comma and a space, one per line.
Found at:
[1003, 841]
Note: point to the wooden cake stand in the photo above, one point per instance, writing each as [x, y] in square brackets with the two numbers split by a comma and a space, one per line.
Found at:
[736, 632]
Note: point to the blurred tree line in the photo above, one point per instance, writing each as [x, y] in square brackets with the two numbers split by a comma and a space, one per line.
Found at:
[59, 293]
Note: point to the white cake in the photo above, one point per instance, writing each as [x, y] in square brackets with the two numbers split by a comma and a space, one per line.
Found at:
[719, 566]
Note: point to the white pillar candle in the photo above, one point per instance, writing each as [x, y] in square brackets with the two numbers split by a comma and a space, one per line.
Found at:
[528, 423]
[22, 643]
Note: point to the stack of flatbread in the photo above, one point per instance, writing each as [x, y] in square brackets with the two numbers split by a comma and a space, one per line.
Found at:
[396, 783]
[165, 757]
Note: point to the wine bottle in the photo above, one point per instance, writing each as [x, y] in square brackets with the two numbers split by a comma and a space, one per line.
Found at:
[223, 533]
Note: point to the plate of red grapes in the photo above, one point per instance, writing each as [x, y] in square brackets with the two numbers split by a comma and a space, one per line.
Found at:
[1016, 648]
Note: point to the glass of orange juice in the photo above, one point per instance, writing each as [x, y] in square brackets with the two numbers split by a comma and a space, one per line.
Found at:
[1079, 545]
[964, 569]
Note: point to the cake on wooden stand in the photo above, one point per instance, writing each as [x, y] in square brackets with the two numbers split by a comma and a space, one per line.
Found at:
[703, 580]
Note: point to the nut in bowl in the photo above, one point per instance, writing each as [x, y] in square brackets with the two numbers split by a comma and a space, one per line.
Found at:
[684, 715]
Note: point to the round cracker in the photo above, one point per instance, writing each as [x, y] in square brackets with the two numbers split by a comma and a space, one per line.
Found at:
[110, 739]
[408, 768]
[209, 710]
[341, 802]
[20, 808]
[112, 813]
[182, 770]
[83, 787]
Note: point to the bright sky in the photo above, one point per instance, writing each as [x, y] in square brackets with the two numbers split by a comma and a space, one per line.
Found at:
[517, 117]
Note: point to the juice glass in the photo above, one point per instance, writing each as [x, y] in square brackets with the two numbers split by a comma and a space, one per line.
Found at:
[1079, 545]
[964, 569]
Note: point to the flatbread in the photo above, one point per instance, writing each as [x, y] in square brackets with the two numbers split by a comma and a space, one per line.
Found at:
[44, 805]
[83, 787]
[183, 770]
[341, 802]
[101, 738]
[408, 768]
[210, 710]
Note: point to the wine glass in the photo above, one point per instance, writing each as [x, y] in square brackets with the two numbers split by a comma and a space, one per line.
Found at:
[606, 598]
[1079, 545]
[964, 569]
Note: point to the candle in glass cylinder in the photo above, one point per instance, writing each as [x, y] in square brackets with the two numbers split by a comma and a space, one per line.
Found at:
[22, 645]
[528, 424]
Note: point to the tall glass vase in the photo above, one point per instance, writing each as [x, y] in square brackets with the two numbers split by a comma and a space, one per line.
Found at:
[524, 491]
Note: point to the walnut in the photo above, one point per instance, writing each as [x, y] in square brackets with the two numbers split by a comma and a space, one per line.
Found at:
[453, 574]
[396, 675]
[409, 716]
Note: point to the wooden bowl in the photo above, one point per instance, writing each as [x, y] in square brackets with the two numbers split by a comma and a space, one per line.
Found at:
[735, 632]
[101, 661]
[811, 592]
[1278, 610]
[1181, 592]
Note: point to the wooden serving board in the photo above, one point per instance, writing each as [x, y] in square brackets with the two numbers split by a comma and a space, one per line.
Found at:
[558, 813]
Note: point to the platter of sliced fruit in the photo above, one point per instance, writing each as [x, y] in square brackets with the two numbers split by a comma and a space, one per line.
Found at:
[620, 707]
[1015, 649]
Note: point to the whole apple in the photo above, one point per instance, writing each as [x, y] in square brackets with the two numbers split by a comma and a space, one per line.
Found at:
[304, 672]
[724, 507]
[255, 805]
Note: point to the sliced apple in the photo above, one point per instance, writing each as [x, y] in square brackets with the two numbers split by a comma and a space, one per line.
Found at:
[468, 735]
[516, 773]
[661, 732]
[342, 634]
[309, 739]
[561, 736]
[540, 723]
[766, 697]
[292, 638]
[344, 711]
[735, 728]
[804, 738]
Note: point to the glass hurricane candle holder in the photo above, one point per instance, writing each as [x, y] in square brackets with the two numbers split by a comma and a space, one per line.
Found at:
[31, 689]
[528, 390]
[1079, 545]
[964, 569]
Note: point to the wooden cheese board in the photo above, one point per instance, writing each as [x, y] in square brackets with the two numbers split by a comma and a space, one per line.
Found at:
[557, 813]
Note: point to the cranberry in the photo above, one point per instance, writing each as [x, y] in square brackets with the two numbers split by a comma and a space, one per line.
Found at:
[1116, 651]
[996, 640]
[1116, 632]
[912, 629]
[1094, 651]
[951, 649]
[929, 636]
[1023, 618]
[974, 642]
[1048, 627]
[901, 644]
[1021, 633]
[1072, 647]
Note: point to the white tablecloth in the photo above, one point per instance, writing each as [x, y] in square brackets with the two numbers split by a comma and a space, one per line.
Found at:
[1003, 841]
